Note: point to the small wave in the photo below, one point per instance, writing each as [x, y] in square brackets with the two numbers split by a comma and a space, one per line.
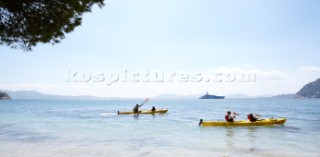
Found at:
[108, 114]
[24, 136]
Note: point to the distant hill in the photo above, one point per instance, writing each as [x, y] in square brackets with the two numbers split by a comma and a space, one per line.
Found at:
[310, 90]
[284, 96]
[38, 95]
[4, 96]
[175, 96]
[238, 96]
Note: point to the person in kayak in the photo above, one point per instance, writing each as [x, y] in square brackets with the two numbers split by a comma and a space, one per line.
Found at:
[153, 109]
[136, 108]
[253, 118]
[230, 117]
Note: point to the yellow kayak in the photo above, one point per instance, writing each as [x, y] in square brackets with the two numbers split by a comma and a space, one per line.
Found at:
[262, 122]
[144, 112]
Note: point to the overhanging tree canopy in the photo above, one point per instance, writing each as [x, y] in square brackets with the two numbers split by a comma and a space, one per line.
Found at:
[24, 23]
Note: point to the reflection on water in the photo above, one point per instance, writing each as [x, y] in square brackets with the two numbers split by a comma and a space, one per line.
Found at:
[136, 116]
[252, 137]
[229, 137]
[252, 130]
[255, 140]
[230, 132]
[153, 115]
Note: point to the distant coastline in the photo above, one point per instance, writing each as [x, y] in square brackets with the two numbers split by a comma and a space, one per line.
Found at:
[310, 90]
[35, 95]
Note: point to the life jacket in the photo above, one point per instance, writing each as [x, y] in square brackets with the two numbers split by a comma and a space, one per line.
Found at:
[135, 109]
[227, 119]
[153, 109]
[251, 118]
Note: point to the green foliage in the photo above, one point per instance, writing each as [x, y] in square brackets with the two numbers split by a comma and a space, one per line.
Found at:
[311, 90]
[24, 23]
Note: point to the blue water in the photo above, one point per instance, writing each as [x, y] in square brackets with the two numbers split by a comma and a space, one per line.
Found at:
[74, 128]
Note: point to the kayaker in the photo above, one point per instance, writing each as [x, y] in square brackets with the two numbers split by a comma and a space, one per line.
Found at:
[230, 117]
[252, 117]
[136, 108]
[153, 109]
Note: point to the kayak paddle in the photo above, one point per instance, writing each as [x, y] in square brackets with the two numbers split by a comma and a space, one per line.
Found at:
[144, 102]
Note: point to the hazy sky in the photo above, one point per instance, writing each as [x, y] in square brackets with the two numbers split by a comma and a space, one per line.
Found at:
[278, 40]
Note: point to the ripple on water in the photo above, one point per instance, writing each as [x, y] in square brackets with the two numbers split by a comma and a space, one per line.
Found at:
[93, 128]
[11, 133]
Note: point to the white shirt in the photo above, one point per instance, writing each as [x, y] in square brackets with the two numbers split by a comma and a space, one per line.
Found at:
[231, 116]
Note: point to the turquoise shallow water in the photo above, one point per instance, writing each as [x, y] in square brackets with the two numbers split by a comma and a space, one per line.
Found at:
[74, 128]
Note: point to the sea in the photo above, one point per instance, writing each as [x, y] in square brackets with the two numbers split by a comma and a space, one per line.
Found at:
[92, 128]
